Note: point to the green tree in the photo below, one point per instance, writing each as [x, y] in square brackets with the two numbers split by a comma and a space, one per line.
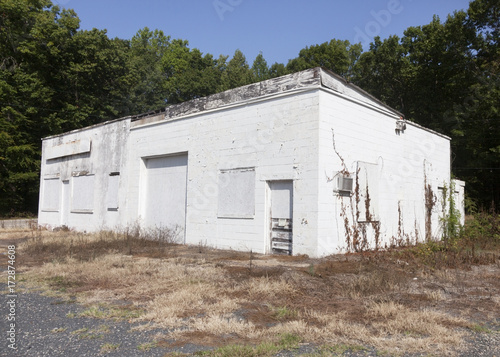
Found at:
[443, 67]
[32, 35]
[477, 118]
[146, 76]
[237, 72]
[94, 80]
[455, 90]
[260, 70]
[188, 73]
[385, 72]
[445, 76]
[277, 70]
[336, 55]
[484, 17]
[53, 78]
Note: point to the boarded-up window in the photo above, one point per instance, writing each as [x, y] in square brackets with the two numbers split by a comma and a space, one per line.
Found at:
[51, 194]
[112, 192]
[237, 193]
[83, 194]
[367, 187]
[282, 199]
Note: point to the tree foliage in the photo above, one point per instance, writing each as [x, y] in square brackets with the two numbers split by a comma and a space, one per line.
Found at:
[260, 69]
[237, 73]
[445, 76]
[336, 55]
[145, 76]
[55, 77]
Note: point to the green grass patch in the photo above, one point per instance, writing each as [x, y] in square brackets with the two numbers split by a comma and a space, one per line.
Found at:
[335, 350]
[147, 346]
[86, 334]
[108, 347]
[264, 349]
[61, 283]
[480, 328]
[282, 313]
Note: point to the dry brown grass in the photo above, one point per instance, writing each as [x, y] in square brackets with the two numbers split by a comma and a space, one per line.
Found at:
[211, 297]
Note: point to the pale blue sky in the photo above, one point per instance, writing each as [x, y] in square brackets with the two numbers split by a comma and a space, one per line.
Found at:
[280, 28]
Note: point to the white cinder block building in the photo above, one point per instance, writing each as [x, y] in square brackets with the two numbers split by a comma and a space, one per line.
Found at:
[302, 164]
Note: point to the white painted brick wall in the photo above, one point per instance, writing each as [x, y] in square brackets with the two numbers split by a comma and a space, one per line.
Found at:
[277, 137]
[109, 146]
[362, 134]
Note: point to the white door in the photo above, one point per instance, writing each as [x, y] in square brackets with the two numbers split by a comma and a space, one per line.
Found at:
[65, 203]
[165, 198]
[281, 216]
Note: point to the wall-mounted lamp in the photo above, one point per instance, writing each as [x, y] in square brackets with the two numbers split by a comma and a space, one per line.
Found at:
[400, 125]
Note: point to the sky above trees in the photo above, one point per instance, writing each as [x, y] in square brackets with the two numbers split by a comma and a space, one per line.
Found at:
[279, 28]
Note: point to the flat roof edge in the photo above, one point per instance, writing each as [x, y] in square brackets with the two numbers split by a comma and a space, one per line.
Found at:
[87, 127]
[298, 80]
[345, 83]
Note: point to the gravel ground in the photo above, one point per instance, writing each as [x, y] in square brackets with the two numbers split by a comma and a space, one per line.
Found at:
[43, 328]
[484, 345]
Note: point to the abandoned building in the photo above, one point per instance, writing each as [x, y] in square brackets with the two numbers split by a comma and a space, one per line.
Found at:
[306, 163]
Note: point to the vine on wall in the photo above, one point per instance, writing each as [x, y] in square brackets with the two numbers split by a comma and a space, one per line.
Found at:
[450, 219]
[430, 202]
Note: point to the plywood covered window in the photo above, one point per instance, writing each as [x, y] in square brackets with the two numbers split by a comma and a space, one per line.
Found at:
[164, 184]
[83, 194]
[51, 194]
[237, 193]
[112, 192]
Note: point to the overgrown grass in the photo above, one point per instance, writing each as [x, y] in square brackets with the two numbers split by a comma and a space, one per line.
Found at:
[389, 301]
[375, 281]
[86, 247]
[481, 232]
[477, 243]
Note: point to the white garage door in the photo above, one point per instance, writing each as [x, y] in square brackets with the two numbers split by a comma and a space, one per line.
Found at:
[165, 199]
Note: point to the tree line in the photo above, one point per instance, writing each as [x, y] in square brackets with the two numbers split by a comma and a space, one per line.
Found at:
[55, 77]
